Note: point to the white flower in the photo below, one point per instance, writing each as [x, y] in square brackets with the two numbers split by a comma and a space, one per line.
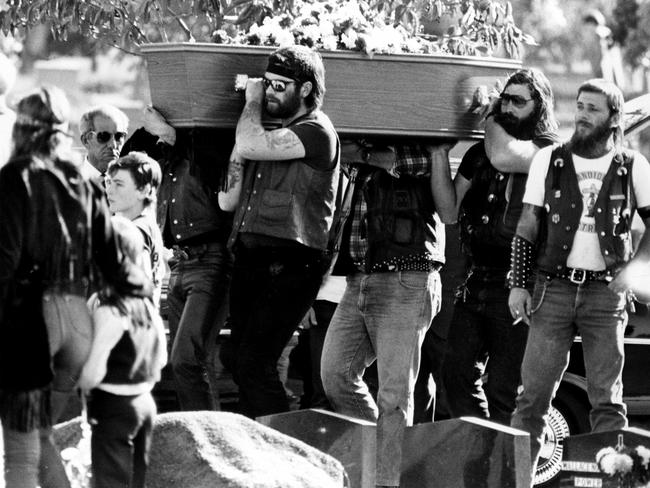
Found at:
[607, 463]
[349, 38]
[623, 463]
[284, 38]
[644, 454]
[330, 43]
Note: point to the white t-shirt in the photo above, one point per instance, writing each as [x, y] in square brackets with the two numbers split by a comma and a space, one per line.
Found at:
[585, 252]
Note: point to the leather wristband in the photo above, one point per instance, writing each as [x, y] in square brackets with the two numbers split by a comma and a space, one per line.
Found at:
[521, 262]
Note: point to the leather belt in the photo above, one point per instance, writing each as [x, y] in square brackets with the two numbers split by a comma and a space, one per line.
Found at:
[195, 251]
[579, 276]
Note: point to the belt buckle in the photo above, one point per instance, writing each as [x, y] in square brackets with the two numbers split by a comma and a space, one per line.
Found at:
[573, 279]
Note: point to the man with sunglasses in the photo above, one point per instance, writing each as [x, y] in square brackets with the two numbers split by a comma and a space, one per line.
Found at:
[103, 133]
[485, 197]
[575, 228]
[282, 183]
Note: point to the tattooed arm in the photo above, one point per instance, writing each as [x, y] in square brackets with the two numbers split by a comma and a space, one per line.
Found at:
[253, 141]
[229, 196]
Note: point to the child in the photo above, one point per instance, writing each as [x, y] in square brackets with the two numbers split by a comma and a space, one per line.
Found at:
[127, 354]
[131, 185]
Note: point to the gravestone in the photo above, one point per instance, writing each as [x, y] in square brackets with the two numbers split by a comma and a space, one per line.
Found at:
[579, 468]
[352, 441]
[457, 453]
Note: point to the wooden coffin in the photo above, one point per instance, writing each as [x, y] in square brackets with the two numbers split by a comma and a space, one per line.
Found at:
[192, 84]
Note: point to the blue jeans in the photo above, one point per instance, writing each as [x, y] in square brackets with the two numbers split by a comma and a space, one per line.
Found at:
[382, 317]
[561, 310]
[482, 340]
[197, 300]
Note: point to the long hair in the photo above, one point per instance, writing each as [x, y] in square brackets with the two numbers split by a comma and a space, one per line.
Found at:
[542, 93]
[615, 102]
[131, 302]
[41, 123]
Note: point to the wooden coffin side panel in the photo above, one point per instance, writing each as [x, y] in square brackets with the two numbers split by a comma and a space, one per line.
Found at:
[193, 85]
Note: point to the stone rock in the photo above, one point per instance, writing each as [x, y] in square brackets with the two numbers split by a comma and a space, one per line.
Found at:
[220, 449]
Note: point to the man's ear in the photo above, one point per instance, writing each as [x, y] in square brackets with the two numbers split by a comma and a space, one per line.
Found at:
[84, 139]
[146, 192]
[305, 89]
[615, 119]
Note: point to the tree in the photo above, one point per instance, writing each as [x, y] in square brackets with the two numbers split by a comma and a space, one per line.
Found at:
[481, 27]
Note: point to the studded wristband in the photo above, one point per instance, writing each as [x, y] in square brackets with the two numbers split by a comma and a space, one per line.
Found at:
[521, 262]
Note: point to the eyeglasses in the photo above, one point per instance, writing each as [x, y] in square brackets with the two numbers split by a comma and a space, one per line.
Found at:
[517, 100]
[278, 85]
[104, 136]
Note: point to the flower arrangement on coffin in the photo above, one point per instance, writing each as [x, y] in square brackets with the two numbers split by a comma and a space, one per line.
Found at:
[354, 25]
[478, 27]
[630, 467]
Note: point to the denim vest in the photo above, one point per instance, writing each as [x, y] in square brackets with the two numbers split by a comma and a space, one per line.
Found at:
[563, 208]
[402, 220]
[187, 198]
[288, 200]
[488, 220]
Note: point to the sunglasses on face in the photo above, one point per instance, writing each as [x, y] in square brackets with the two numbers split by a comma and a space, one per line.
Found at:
[517, 100]
[278, 86]
[104, 136]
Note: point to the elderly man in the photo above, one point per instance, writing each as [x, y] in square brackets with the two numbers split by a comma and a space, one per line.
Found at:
[285, 207]
[578, 206]
[103, 133]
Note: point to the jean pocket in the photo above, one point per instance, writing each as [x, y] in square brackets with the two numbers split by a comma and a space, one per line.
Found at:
[539, 292]
[414, 280]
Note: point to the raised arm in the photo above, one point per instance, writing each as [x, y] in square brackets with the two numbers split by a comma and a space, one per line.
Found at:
[506, 153]
[229, 196]
[447, 194]
[255, 142]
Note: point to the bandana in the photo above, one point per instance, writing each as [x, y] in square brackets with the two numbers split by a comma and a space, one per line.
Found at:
[276, 67]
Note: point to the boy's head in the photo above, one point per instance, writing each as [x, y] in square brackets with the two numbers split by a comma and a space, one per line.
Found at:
[131, 184]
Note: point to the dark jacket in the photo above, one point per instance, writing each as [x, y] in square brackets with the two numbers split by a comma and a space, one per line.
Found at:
[192, 171]
[401, 221]
[55, 231]
[563, 208]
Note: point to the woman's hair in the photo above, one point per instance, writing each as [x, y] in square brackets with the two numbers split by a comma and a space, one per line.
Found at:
[130, 300]
[41, 122]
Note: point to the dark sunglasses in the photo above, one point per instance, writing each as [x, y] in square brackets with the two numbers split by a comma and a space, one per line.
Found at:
[278, 85]
[104, 136]
[517, 100]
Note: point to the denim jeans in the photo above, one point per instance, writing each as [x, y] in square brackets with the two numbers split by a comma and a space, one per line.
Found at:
[121, 438]
[271, 291]
[561, 310]
[482, 339]
[197, 300]
[382, 317]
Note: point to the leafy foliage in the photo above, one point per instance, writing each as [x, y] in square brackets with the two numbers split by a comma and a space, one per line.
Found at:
[632, 29]
[481, 27]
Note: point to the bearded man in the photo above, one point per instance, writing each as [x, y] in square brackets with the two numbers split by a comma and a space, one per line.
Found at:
[485, 196]
[282, 183]
[578, 206]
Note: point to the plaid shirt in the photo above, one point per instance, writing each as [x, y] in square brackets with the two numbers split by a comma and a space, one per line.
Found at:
[409, 160]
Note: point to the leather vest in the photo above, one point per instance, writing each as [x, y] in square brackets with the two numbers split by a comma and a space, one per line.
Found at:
[401, 219]
[488, 220]
[288, 199]
[563, 206]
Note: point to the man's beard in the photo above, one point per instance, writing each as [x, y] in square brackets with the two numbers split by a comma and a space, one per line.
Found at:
[518, 128]
[283, 110]
[590, 145]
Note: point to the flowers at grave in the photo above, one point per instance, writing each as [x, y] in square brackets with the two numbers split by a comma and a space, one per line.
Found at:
[630, 467]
